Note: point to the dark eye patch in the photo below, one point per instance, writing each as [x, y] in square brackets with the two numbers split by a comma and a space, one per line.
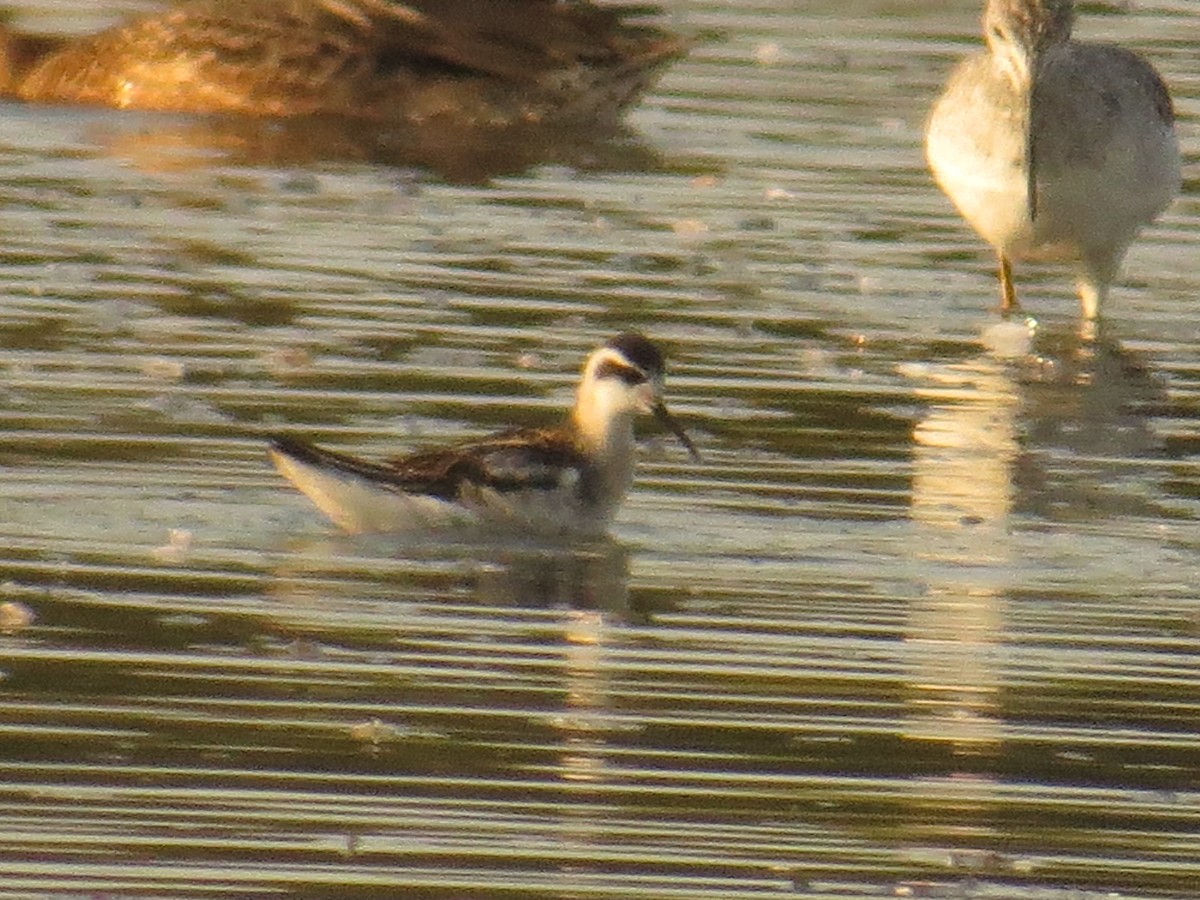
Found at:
[611, 368]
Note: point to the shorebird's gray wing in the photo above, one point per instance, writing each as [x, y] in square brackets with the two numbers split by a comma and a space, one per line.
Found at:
[1089, 97]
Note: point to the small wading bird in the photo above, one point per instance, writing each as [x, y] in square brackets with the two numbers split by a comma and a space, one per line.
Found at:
[559, 481]
[472, 62]
[1053, 148]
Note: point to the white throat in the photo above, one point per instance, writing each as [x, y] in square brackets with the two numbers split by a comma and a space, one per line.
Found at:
[603, 420]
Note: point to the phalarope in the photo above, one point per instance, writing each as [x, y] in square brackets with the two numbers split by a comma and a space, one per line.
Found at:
[471, 62]
[1053, 148]
[566, 480]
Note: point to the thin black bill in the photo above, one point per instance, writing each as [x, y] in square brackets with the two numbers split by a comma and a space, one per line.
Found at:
[661, 413]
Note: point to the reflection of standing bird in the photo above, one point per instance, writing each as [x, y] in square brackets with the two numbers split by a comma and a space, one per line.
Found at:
[567, 480]
[473, 62]
[1053, 148]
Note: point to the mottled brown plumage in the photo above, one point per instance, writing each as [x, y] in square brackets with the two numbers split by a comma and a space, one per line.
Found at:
[478, 62]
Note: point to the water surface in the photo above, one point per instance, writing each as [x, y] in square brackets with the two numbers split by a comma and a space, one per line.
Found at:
[923, 623]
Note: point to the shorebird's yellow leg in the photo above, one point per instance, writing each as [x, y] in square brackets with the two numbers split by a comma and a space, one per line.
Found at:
[1008, 292]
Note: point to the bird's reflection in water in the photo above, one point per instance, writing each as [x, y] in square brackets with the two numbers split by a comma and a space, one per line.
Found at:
[522, 573]
[1086, 411]
[571, 606]
[1015, 437]
[160, 143]
[965, 450]
[593, 577]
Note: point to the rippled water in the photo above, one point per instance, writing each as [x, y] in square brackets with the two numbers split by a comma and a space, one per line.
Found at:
[925, 622]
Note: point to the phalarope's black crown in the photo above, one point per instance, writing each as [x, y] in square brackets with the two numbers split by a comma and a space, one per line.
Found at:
[566, 480]
[640, 352]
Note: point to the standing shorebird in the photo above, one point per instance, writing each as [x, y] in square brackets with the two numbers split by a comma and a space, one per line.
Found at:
[556, 481]
[1053, 148]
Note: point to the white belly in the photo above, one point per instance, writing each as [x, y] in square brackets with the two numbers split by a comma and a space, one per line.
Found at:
[975, 142]
[359, 505]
